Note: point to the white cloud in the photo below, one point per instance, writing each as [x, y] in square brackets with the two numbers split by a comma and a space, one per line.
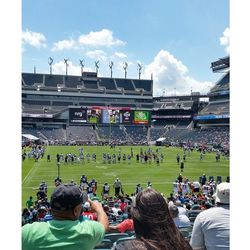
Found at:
[64, 44]
[60, 68]
[34, 39]
[225, 40]
[171, 75]
[100, 38]
[97, 55]
[103, 38]
[120, 55]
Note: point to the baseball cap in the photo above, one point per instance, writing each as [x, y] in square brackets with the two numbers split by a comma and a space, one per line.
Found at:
[222, 194]
[66, 197]
[86, 205]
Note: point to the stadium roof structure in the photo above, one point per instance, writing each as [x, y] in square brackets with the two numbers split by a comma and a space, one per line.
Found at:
[221, 64]
[30, 137]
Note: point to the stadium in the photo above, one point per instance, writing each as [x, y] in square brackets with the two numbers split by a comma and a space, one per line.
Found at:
[83, 123]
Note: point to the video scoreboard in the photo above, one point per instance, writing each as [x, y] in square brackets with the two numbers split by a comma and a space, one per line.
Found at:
[108, 115]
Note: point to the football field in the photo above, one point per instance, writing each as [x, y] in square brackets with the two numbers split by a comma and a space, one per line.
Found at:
[161, 176]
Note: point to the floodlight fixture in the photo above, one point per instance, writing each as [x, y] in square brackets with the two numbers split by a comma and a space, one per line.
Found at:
[139, 68]
[50, 62]
[97, 66]
[111, 64]
[82, 65]
[66, 65]
[125, 66]
[164, 92]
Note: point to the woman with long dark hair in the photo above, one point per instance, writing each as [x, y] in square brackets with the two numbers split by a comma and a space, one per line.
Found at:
[154, 227]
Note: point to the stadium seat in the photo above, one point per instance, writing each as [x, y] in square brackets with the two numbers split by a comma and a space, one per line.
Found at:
[115, 236]
[186, 232]
[105, 244]
[192, 218]
[193, 213]
[219, 179]
[130, 233]
[122, 240]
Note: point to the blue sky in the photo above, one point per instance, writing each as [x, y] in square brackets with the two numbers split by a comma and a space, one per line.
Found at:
[174, 40]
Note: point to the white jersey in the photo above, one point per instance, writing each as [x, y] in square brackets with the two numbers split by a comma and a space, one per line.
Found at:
[175, 187]
[196, 184]
[184, 187]
[205, 189]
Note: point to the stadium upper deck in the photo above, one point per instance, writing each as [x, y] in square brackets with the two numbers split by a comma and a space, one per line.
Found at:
[50, 94]
[88, 82]
[217, 111]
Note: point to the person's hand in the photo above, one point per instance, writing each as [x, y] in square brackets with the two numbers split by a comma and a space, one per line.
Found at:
[96, 206]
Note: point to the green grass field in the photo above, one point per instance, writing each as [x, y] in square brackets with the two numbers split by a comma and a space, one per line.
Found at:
[161, 176]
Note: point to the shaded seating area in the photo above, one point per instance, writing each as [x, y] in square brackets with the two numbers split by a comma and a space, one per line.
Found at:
[124, 83]
[72, 81]
[53, 80]
[108, 83]
[31, 79]
[143, 84]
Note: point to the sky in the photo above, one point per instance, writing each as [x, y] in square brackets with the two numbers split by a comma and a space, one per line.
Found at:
[174, 41]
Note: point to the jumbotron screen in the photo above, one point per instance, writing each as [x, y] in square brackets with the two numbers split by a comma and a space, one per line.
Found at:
[141, 117]
[108, 115]
[78, 115]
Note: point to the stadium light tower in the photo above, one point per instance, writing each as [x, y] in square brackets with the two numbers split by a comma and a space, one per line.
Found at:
[125, 66]
[66, 65]
[139, 68]
[82, 65]
[164, 92]
[97, 66]
[111, 64]
[50, 62]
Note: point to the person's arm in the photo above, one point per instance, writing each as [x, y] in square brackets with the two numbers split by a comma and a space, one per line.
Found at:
[101, 215]
[113, 228]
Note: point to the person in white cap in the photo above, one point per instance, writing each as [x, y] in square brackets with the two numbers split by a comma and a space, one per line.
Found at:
[211, 227]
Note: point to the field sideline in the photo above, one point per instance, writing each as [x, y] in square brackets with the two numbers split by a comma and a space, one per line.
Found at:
[161, 176]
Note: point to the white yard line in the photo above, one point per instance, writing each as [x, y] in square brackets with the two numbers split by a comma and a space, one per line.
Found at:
[30, 173]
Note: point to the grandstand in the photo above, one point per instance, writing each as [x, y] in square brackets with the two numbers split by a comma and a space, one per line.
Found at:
[216, 112]
[107, 108]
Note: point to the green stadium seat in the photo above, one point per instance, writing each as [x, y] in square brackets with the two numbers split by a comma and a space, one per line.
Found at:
[119, 241]
[186, 232]
[105, 244]
[115, 236]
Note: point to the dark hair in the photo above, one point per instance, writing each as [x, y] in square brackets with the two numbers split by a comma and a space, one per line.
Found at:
[153, 223]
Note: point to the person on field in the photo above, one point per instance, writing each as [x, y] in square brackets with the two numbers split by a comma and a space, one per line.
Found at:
[65, 230]
[182, 166]
[117, 186]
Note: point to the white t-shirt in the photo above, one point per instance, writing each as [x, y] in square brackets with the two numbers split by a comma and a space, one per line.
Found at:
[182, 221]
[211, 229]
